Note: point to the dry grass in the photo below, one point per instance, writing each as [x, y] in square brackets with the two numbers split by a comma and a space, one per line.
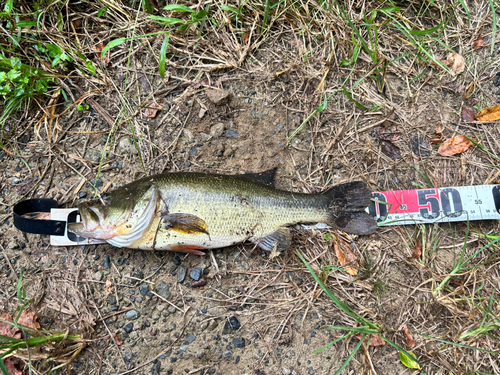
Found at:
[279, 72]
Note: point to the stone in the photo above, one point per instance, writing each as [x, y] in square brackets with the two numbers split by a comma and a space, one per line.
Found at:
[12, 245]
[216, 311]
[217, 130]
[196, 274]
[181, 274]
[128, 327]
[163, 290]
[97, 276]
[218, 97]
[239, 342]
[231, 134]
[107, 262]
[132, 314]
[189, 339]
[126, 146]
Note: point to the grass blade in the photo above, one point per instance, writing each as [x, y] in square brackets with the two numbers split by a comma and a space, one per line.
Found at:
[163, 55]
[113, 43]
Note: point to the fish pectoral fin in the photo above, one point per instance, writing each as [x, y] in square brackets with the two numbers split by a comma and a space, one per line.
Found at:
[185, 223]
[279, 240]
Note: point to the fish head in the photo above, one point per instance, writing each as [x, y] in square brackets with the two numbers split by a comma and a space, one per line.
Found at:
[120, 219]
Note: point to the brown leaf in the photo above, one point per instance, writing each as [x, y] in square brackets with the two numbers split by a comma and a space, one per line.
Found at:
[409, 340]
[29, 319]
[436, 140]
[345, 255]
[455, 145]
[98, 49]
[151, 111]
[376, 340]
[439, 130]
[246, 38]
[455, 62]
[489, 114]
[109, 286]
[390, 149]
[117, 339]
[7, 329]
[11, 365]
[478, 43]
[468, 115]
[417, 250]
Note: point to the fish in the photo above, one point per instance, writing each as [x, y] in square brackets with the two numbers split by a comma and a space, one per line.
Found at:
[189, 212]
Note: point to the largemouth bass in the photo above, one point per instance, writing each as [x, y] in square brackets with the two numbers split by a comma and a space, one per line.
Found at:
[188, 212]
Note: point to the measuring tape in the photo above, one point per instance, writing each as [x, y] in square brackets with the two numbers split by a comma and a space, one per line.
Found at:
[436, 205]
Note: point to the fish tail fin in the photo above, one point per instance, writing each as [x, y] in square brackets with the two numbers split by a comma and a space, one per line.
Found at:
[347, 203]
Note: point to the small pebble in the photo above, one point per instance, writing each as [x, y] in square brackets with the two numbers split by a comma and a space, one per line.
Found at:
[189, 339]
[144, 289]
[181, 274]
[98, 183]
[231, 134]
[132, 314]
[196, 274]
[239, 342]
[128, 327]
[163, 290]
[107, 262]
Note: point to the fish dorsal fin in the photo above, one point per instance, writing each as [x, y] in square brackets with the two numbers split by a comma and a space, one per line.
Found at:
[266, 177]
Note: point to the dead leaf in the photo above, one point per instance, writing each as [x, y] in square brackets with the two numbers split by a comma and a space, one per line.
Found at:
[151, 111]
[478, 43]
[98, 49]
[417, 249]
[409, 339]
[11, 365]
[376, 340]
[29, 319]
[489, 114]
[345, 255]
[246, 38]
[117, 339]
[390, 149]
[468, 115]
[439, 130]
[109, 286]
[7, 329]
[436, 140]
[455, 145]
[455, 62]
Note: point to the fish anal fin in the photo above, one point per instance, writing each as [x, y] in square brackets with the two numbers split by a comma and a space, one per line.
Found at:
[279, 240]
[185, 223]
[266, 177]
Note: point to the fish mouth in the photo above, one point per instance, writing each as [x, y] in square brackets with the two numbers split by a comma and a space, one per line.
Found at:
[90, 226]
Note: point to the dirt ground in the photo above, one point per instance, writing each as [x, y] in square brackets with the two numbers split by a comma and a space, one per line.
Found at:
[256, 314]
